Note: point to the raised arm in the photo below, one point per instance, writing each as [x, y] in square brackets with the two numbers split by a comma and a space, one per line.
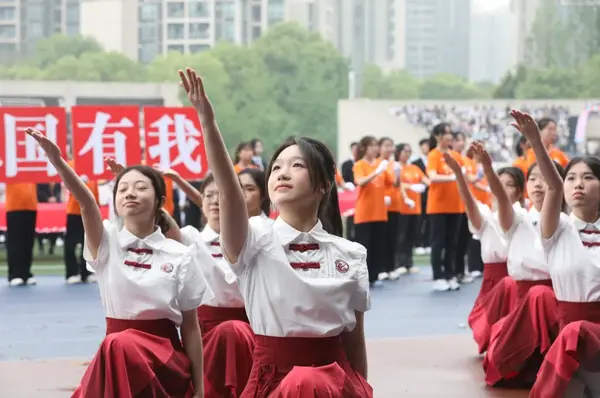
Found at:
[552, 207]
[471, 208]
[505, 209]
[188, 189]
[232, 206]
[90, 212]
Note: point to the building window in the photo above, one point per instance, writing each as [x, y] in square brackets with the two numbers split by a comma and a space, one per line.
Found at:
[72, 13]
[149, 12]
[147, 52]
[175, 10]
[199, 31]
[8, 32]
[256, 13]
[8, 13]
[35, 12]
[148, 33]
[175, 31]
[256, 32]
[198, 9]
[198, 48]
[177, 49]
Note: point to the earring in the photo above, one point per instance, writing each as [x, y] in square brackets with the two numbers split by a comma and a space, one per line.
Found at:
[322, 190]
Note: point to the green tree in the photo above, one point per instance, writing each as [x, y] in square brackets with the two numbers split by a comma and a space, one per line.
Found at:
[164, 67]
[549, 84]
[310, 77]
[397, 84]
[58, 46]
[509, 83]
[251, 93]
[589, 78]
[98, 66]
[447, 86]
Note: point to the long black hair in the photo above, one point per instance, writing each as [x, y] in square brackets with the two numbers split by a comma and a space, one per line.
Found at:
[258, 176]
[438, 131]
[160, 192]
[321, 170]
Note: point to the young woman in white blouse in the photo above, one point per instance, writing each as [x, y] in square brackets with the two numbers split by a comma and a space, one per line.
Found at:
[497, 292]
[571, 368]
[149, 286]
[305, 288]
[521, 339]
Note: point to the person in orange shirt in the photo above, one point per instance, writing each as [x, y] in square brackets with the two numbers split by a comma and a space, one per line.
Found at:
[463, 237]
[394, 200]
[521, 149]
[549, 137]
[243, 157]
[372, 177]
[76, 270]
[413, 182]
[21, 214]
[444, 207]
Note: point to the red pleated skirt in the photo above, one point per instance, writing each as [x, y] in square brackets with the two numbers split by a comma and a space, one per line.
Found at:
[520, 340]
[497, 297]
[296, 367]
[138, 359]
[577, 345]
[228, 345]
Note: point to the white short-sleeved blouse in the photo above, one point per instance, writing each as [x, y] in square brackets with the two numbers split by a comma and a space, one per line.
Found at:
[494, 248]
[219, 276]
[526, 257]
[150, 278]
[573, 254]
[301, 284]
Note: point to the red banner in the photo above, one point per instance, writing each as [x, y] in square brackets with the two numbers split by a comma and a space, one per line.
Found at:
[174, 140]
[21, 159]
[52, 217]
[105, 131]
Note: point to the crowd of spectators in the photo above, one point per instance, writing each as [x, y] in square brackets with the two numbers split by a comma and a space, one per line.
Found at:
[489, 124]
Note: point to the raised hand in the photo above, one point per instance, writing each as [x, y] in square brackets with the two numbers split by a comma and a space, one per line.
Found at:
[452, 163]
[113, 166]
[169, 173]
[194, 88]
[50, 148]
[482, 156]
[525, 124]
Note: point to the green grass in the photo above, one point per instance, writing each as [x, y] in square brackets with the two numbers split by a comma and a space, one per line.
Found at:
[45, 264]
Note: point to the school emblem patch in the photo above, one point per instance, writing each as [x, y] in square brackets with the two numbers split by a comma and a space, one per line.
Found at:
[166, 268]
[342, 266]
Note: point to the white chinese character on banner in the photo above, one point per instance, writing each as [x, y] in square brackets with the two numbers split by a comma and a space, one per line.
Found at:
[179, 132]
[14, 128]
[116, 147]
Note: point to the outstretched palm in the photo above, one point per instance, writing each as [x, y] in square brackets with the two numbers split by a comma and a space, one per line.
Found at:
[115, 168]
[194, 88]
[525, 124]
[482, 155]
[452, 163]
[50, 148]
[169, 173]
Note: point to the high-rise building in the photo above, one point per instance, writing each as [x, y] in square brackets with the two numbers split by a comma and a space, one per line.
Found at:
[493, 45]
[24, 22]
[437, 37]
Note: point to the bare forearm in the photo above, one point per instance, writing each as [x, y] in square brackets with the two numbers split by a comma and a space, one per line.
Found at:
[189, 190]
[505, 210]
[195, 352]
[471, 208]
[356, 352]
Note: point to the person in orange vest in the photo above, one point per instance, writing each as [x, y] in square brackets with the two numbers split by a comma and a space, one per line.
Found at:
[549, 137]
[76, 270]
[21, 215]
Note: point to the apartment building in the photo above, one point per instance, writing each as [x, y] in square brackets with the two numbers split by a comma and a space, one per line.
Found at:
[24, 22]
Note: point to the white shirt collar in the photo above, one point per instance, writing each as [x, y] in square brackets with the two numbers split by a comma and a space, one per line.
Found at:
[153, 241]
[581, 225]
[287, 234]
[209, 235]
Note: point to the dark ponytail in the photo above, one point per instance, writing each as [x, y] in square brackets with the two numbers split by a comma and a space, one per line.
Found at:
[329, 213]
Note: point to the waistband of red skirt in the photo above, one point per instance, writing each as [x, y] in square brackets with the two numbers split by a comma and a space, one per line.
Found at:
[572, 312]
[207, 313]
[523, 286]
[298, 351]
[157, 327]
[494, 270]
